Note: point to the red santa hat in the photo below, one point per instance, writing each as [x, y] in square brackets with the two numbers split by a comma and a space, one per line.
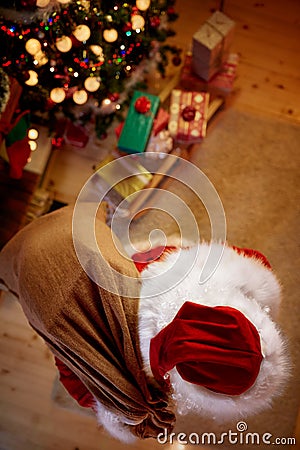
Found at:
[215, 347]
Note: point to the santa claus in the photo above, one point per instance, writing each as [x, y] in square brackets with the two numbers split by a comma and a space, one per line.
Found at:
[163, 352]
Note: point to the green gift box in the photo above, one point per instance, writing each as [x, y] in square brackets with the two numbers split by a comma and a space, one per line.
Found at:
[139, 122]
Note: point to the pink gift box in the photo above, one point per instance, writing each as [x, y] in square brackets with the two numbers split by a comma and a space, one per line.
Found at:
[188, 115]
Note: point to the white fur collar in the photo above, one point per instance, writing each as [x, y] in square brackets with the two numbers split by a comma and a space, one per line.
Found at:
[241, 282]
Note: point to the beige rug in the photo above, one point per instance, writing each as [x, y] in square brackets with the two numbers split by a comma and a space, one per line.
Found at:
[253, 162]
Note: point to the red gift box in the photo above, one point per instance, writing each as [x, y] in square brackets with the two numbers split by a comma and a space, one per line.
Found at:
[188, 115]
[219, 84]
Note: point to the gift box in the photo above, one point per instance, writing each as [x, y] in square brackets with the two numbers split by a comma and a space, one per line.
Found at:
[159, 124]
[160, 143]
[161, 121]
[188, 115]
[139, 122]
[211, 45]
[220, 84]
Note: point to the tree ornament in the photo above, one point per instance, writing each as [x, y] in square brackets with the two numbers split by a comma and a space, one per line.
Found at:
[57, 95]
[155, 22]
[110, 35]
[82, 33]
[114, 97]
[176, 60]
[33, 78]
[143, 5]
[80, 97]
[138, 22]
[189, 113]
[33, 46]
[63, 44]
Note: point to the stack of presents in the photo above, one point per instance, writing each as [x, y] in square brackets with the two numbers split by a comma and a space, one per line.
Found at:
[207, 74]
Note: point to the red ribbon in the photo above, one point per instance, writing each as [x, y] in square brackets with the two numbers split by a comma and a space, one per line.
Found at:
[142, 105]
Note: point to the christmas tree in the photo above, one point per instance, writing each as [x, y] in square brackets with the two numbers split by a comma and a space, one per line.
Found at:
[67, 53]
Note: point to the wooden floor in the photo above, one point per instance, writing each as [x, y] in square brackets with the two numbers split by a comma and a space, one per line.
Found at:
[267, 39]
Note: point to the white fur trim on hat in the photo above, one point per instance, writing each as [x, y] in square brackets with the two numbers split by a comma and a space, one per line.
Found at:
[240, 282]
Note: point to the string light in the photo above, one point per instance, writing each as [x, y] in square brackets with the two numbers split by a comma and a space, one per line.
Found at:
[33, 145]
[57, 95]
[143, 5]
[33, 46]
[95, 65]
[110, 35]
[64, 44]
[80, 97]
[33, 78]
[82, 33]
[33, 134]
[92, 84]
[138, 22]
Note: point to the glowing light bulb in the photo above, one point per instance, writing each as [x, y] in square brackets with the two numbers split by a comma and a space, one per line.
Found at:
[92, 84]
[80, 97]
[137, 22]
[33, 78]
[33, 145]
[143, 5]
[82, 33]
[33, 134]
[57, 95]
[64, 44]
[33, 46]
[110, 35]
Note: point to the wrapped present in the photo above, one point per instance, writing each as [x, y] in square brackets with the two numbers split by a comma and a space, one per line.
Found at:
[161, 121]
[220, 84]
[67, 132]
[76, 135]
[211, 45]
[188, 115]
[160, 143]
[139, 122]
